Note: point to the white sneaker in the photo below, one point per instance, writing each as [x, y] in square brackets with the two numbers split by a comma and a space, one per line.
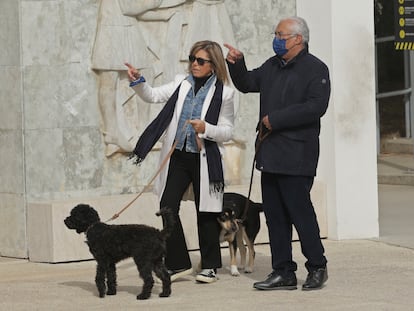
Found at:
[176, 274]
[206, 276]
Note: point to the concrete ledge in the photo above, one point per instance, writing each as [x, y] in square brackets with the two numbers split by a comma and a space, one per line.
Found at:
[50, 241]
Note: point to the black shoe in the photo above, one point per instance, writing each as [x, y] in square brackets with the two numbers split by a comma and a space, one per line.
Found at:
[276, 281]
[315, 279]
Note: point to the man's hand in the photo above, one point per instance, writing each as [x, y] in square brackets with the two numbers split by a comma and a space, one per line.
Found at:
[233, 55]
[266, 122]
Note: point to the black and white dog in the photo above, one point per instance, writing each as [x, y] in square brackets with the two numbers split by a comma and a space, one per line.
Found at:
[237, 231]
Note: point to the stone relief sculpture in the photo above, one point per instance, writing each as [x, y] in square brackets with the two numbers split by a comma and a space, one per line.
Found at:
[207, 20]
[193, 21]
[155, 36]
[118, 38]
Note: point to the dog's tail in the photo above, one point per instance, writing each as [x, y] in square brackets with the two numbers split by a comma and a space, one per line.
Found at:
[168, 221]
[259, 207]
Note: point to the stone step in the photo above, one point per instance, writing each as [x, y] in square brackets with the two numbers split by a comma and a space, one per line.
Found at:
[396, 169]
[396, 161]
[397, 145]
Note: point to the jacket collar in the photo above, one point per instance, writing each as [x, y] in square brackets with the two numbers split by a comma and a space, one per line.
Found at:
[283, 63]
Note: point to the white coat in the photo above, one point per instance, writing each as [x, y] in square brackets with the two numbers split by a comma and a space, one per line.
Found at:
[222, 132]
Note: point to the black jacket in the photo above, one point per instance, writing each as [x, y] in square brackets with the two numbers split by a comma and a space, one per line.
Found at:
[294, 96]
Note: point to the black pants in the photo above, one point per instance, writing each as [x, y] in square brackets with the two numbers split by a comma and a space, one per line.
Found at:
[184, 169]
[287, 202]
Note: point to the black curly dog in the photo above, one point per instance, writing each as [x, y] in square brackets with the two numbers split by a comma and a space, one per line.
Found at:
[110, 244]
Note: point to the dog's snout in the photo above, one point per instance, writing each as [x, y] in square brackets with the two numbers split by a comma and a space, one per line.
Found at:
[68, 223]
[234, 226]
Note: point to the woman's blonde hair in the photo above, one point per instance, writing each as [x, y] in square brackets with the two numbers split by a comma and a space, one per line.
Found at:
[215, 54]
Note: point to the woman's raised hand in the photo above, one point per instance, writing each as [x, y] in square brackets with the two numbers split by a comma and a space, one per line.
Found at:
[133, 73]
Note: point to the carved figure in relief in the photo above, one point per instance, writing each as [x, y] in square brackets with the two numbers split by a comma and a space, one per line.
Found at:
[143, 32]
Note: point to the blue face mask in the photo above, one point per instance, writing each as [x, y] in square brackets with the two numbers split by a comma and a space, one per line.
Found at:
[279, 46]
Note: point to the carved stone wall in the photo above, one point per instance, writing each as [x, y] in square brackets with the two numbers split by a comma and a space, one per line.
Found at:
[52, 140]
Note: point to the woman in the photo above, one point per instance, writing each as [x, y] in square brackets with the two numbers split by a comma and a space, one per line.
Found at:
[198, 117]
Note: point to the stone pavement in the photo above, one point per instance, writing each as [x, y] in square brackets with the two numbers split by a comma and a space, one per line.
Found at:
[363, 275]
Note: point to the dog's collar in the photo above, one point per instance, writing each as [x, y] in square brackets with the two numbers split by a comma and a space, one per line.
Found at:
[90, 226]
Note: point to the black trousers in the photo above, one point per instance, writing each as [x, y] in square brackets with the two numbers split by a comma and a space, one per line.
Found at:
[287, 202]
[184, 169]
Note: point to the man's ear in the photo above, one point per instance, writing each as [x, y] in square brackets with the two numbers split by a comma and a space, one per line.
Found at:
[299, 39]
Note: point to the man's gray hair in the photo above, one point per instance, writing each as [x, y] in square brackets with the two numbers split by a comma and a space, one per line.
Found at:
[299, 26]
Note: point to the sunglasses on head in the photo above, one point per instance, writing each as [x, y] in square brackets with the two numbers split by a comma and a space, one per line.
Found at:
[200, 61]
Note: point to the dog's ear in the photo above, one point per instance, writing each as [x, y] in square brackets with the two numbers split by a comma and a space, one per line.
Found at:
[226, 214]
[231, 213]
[82, 216]
[86, 211]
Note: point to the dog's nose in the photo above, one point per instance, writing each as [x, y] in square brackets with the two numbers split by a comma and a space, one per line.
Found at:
[234, 226]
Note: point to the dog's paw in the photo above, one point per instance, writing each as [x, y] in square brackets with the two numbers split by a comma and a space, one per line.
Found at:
[143, 296]
[111, 292]
[165, 293]
[248, 270]
[234, 271]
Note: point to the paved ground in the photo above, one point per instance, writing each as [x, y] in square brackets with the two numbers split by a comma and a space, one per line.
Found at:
[396, 214]
[363, 275]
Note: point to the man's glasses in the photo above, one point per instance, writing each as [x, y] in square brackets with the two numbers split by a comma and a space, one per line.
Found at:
[279, 35]
[200, 61]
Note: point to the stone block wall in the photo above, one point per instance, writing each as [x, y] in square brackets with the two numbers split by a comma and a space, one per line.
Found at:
[12, 182]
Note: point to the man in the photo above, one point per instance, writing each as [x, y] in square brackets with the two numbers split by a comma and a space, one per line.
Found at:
[294, 92]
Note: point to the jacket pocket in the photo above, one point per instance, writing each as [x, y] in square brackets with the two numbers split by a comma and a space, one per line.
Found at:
[284, 154]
